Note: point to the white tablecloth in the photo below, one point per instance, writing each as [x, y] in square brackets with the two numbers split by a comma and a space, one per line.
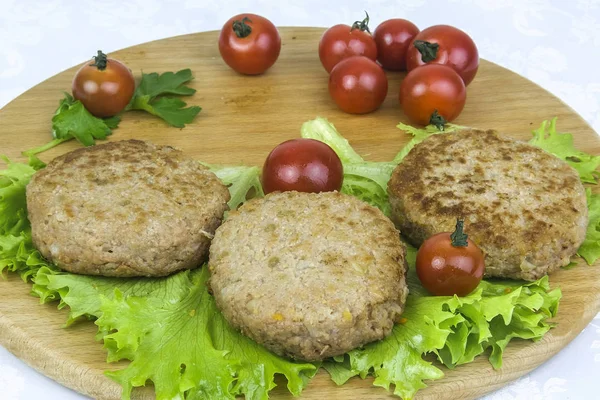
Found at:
[555, 43]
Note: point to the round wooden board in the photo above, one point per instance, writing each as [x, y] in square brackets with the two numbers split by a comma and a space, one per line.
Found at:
[242, 119]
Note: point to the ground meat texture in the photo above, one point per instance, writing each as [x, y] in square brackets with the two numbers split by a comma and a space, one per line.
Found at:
[127, 208]
[309, 276]
[525, 208]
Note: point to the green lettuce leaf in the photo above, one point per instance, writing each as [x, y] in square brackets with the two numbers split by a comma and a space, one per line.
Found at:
[365, 180]
[82, 294]
[143, 310]
[378, 172]
[323, 130]
[590, 249]
[17, 253]
[561, 145]
[243, 182]
[137, 308]
[420, 134]
[181, 342]
[454, 329]
[161, 324]
[13, 204]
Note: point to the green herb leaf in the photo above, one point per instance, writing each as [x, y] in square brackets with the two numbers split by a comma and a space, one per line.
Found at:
[112, 122]
[73, 120]
[64, 103]
[149, 97]
[172, 110]
[590, 249]
[154, 85]
[561, 145]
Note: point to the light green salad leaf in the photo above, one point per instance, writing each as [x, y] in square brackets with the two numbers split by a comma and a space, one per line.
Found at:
[420, 134]
[323, 130]
[17, 253]
[82, 293]
[176, 338]
[243, 182]
[140, 306]
[561, 145]
[455, 329]
[590, 249]
[181, 342]
[366, 180]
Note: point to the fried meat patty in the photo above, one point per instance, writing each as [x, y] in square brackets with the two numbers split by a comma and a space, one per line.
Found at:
[525, 208]
[128, 208]
[308, 275]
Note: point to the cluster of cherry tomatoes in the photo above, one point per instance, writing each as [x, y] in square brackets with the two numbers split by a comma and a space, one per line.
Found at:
[441, 61]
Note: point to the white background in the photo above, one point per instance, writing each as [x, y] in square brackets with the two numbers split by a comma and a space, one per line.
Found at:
[555, 43]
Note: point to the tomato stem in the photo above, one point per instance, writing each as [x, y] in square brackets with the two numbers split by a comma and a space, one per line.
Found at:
[437, 120]
[241, 28]
[362, 25]
[428, 50]
[458, 237]
[100, 61]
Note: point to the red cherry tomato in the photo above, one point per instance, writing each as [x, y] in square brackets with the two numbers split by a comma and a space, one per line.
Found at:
[392, 38]
[105, 86]
[446, 267]
[249, 44]
[304, 165]
[358, 85]
[444, 44]
[342, 41]
[432, 90]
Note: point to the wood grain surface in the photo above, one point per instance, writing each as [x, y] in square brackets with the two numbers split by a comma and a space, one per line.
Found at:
[242, 119]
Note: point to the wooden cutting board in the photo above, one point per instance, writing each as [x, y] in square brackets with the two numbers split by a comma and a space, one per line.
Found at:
[242, 119]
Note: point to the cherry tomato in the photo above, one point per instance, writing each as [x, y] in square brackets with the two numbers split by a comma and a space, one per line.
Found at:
[449, 264]
[358, 85]
[249, 44]
[392, 38]
[304, 165]
[342, 41]
[430, 92]
[105, 86]
[444, 44]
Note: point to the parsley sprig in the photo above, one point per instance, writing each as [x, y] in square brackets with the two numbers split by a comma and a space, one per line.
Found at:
[154, 95]
[151, 96]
